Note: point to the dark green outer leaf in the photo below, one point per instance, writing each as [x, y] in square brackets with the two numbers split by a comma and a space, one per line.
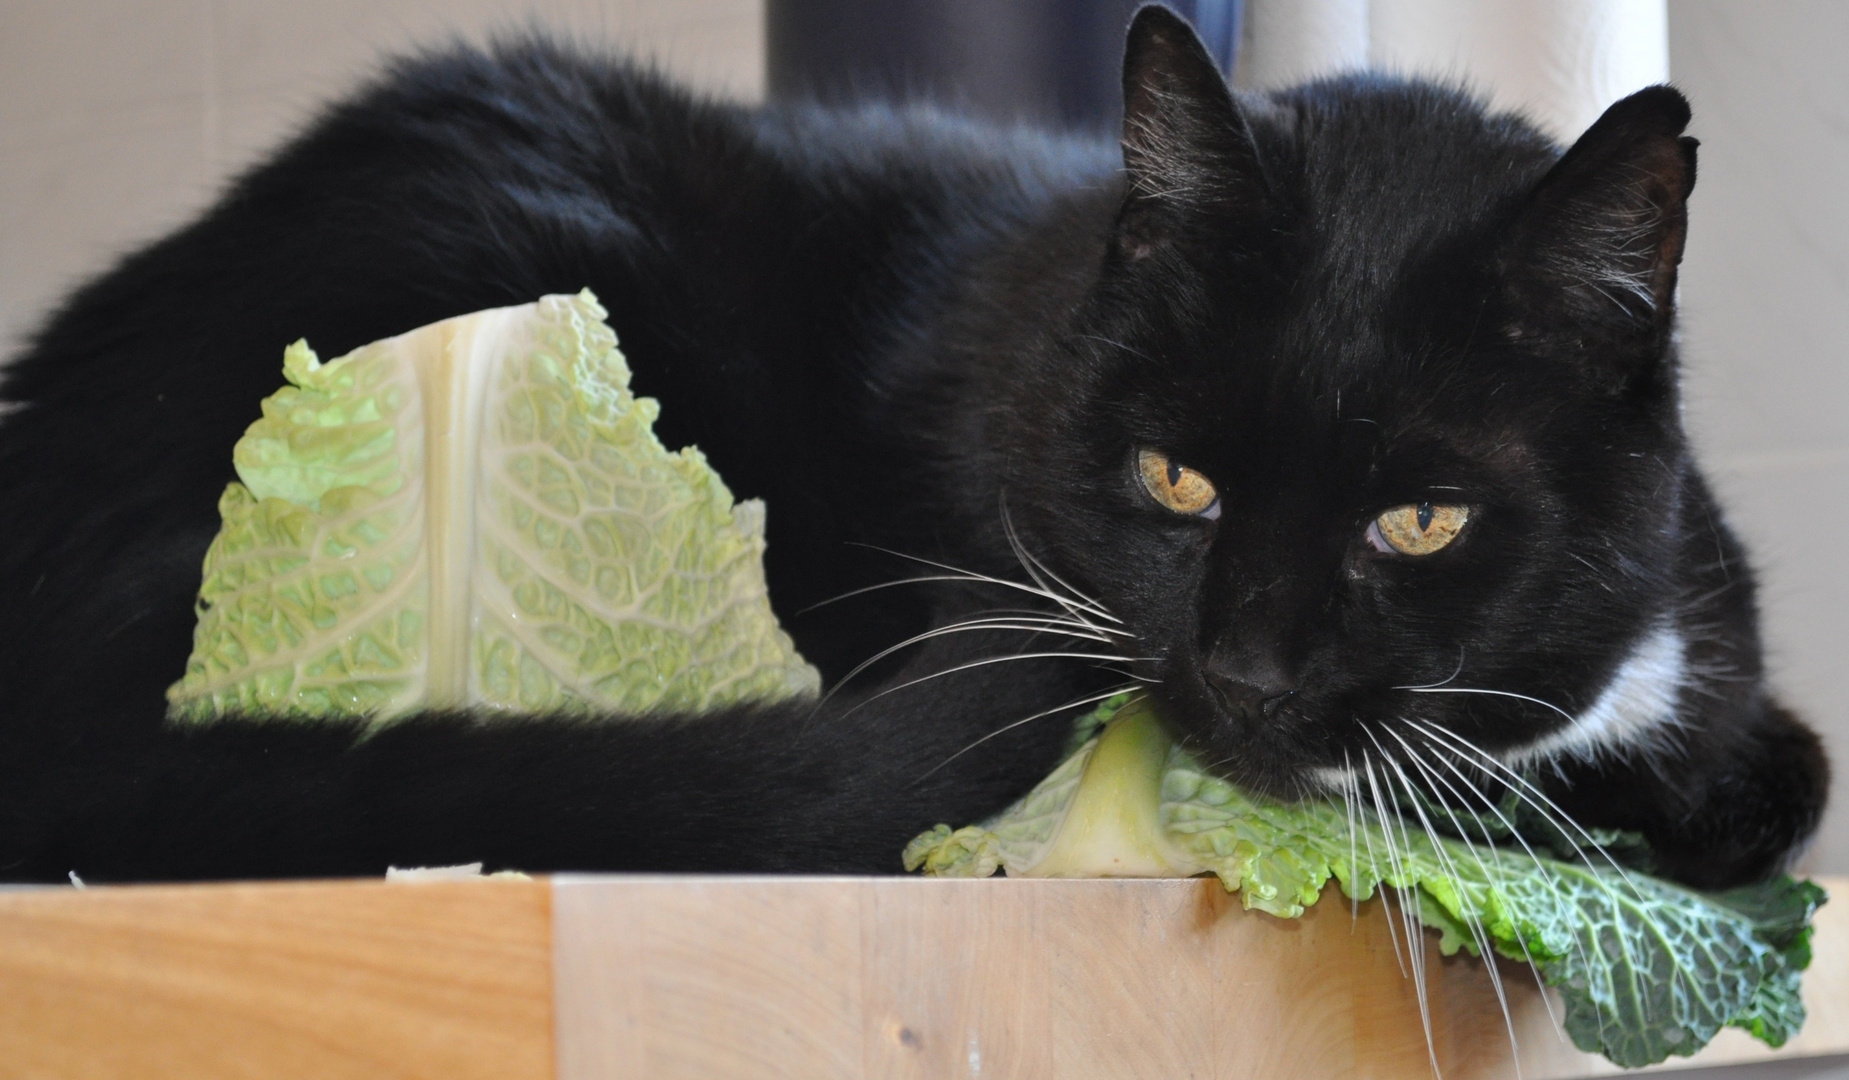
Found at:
[1646, 969]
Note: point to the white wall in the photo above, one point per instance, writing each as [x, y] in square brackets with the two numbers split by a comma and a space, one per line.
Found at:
[1765, 302]
[118, 120]
[1559, 61]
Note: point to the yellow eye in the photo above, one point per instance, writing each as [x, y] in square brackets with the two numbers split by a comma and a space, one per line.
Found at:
[1177, 487]
[1417, 528]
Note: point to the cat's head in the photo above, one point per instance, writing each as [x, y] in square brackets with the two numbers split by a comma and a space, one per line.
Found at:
[1368, 393]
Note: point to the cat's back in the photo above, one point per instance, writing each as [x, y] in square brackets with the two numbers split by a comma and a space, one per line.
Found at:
[752, 260]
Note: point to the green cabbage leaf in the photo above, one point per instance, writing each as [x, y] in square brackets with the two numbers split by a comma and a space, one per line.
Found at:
[477, 514]
[1645, 968]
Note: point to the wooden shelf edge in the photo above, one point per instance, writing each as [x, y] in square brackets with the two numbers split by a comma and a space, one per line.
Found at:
[324, 979]
[594, 977]
[901, 977]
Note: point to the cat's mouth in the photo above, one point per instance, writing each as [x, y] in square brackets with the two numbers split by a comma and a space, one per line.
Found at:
[1318, 743]
[1308, 741]
[1265, 739]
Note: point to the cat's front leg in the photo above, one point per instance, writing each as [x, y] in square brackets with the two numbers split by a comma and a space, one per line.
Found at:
[1730, 806]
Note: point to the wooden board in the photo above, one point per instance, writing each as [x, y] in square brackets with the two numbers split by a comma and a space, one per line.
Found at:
[361, 979]
[668, 977]
[678, 978]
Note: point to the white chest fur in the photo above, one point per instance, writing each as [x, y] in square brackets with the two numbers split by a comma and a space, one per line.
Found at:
[1634, 709]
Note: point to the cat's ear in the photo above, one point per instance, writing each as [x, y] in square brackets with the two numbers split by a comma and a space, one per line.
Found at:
[1593, 255]
[1188, 151]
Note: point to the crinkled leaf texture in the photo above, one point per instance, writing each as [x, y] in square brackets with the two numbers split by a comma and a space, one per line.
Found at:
[477, 514]
[1646, 969]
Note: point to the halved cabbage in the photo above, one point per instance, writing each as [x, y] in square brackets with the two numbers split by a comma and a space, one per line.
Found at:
[477, 514]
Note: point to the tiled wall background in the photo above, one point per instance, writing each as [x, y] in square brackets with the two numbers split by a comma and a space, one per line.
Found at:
[119, 119]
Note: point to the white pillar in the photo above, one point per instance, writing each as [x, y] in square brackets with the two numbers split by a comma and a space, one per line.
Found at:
[1288, 41]
[1560, 61]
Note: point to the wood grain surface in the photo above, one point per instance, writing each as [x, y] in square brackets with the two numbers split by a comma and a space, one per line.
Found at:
[689, 978]
[367, 980]
[671, 978]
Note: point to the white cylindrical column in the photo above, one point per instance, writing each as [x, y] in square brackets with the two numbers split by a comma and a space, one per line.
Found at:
[1560, 61]
[1288, 41]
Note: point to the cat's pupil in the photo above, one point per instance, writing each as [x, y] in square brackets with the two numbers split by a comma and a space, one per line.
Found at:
[1425, 517]
[1174, 474]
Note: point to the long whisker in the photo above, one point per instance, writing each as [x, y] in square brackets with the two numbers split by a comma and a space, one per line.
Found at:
[1075, 703]
[1044, 613]
[1348, 805]
[1035, 568]
[1474, 791]
[1048, 625]
[1444, 865]
[1436, 733]
[999, 660]
[1373, 862]
[875, 588]
[1530, 793]
[1433, 732]
[1438, 778]
[1455, 672]
[1410, 918]
[1077, 603]
[958, 576]
[1393, 862]
[1028, 623]
[1472, 921]
[1493, 876]
[1571, 719]
[1560, 818]
[969, 575]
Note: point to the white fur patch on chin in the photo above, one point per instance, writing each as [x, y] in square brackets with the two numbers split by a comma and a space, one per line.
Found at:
[1637, 706]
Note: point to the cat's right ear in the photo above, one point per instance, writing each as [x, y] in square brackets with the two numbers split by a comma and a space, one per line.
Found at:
[1189, 156]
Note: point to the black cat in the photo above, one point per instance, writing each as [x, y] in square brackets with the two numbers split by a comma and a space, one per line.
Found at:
[1346, 417]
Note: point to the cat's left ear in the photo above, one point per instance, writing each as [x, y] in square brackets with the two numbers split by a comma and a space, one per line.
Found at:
[1189, 157]
[1593, 255]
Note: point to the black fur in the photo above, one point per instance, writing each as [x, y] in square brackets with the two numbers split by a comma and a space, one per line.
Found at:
[901, 330]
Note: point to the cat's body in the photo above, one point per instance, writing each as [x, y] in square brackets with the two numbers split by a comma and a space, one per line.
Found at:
[912, 334]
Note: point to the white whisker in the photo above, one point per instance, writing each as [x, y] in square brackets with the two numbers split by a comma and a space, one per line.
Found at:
[1090, 607]
[1444, 865]
[993, 660]
[982, 579]
[967, 626]
[1472, 921]
[1436, 777]
[1348, 804]
[1113, 692]
[1560, 822]
[1393, 863]
[1434, 732]
[1035, 567]
[1455, 672]
[1571, 719]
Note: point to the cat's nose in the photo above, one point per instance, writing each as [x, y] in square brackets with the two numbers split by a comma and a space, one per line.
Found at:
[1245, 699]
